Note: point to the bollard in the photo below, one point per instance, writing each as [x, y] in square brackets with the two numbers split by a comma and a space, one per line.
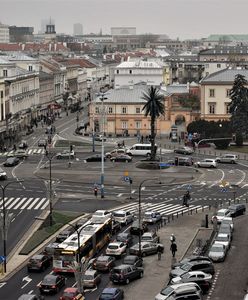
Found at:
[191, 212]
[177, 215]
[206, 221]
[209, 207]
[229, 202]
[172, 217]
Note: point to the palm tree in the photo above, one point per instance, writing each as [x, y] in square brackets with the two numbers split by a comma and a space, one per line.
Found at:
[154, 107]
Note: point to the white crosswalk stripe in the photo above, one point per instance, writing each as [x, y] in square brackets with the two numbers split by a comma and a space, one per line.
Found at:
[162, 207]
[25, 203]
[32, 151]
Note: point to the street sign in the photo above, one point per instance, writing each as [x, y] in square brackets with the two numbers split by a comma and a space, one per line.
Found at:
[126, 178]
[126, 173]
[2, 258]
[189, 187]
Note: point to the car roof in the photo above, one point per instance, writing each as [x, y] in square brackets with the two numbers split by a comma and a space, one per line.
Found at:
[90, 272]
[119, 211]
[148, 234]
[222, 234]
[71, 290]
[122, 266]
[130, 256]
[110, 290]
[115, 243]
[37, 256]
[223, 210]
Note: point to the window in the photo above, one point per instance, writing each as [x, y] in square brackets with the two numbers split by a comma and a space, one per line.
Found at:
[138, 124]
[130, 72]
[124, 110]
[117, 71]
[137, 110]
[5, 73]
[211, 108]
[97, 110]
[30, 68]
[110, 110]
[218, 66]
[228, 91]
[124, 125]
[227, 107]
[211, 93]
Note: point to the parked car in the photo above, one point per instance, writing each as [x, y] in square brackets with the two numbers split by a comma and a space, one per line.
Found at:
[51, 283]
[100, 216]
[204, 280]
[96, 157]
[91, 278]
[123, 217]
[228, 220]
[115, 152]
[71, 293]
[42, 142]
[125, 237]
[39, 262]
[133, 260]
[184, 150]
[23, 145]
[152, 217]
[150, 237]
[121, 158]
[18, 153]
[189, 259]
[104, 263]
[217, 252]
[207, 163]
[225, 228]
[135, 229]
[198, 265]
[63, 235]
[221, 214]
[172, 291]
[224, 239]
[112, 294]
[125, 273]
[100, 138]
[237, 210]
[183, 161]
[3, 174]
[11, 162]
[116, 248]
[147, 248]
[66, 154]
[227, 158]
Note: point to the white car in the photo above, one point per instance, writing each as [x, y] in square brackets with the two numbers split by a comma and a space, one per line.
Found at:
[65, 154]
[115, 153]
[116, 248]
[192, 276]
[227, 158]
[123, 217]
[100, 216]
[150, 237]
[224, 239]
[3, 174]
[217, 252]
[152, 217]
[206, 163]
[221, 214]
[228, 220]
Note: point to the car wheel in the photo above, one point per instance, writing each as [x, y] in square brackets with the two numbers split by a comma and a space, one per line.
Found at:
[148, 154]
[232, 162]
[127, 281]
[143, 254]
[141, 274]
[126, 160]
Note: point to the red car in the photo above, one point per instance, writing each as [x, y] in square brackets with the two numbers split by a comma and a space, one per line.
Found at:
[71, 293]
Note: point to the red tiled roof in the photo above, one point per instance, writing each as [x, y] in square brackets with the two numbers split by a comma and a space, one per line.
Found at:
[10, 47]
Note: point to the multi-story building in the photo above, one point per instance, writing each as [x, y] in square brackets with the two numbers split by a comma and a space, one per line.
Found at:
[4, 33]
[21, 34]
[236, 55]
[46, 96]
[77, 29]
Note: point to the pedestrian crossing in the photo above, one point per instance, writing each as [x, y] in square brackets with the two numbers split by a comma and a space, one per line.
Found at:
[32, 151]
[24, 203]
[162, 207]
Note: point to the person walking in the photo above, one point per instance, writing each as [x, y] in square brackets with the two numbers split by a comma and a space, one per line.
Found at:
[172, 238]
[160, 251]
[95, 191]
[173, 249]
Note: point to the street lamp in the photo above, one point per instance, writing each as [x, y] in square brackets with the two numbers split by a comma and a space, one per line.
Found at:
[5, 225]
[140, 186]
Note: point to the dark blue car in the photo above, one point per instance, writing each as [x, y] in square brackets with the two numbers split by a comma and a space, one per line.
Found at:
[112, 294]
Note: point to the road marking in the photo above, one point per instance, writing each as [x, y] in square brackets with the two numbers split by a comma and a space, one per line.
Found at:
[27, 279]
[2, 284]
[119, 195]
[14, 203]
[143, 188]
[21, 202]
[33, 203]
[45, 205]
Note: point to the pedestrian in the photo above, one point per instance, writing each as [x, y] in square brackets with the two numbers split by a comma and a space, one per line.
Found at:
[142, 139]
[173, 249]
[160, 251]
[179, 140]
[95, 191]
[123, 144]
[186, 198]
[172, 238]
[14, 147]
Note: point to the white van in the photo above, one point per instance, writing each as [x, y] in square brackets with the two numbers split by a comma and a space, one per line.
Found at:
[140, 149]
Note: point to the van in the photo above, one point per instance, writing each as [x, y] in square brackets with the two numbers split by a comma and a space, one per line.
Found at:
[140, 149]
[227, 158]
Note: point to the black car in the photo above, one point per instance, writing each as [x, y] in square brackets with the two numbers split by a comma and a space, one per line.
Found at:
[96, 157]
[63, 235]
[190, 259]
[237, 210]
[11, 161]
[125, 237]
[135, 229]
[199, 265]
[51, 284]
[39, 262]
[133, 260]
[125, 274]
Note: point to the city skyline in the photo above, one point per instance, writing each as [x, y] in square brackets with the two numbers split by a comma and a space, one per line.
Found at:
[178, 18]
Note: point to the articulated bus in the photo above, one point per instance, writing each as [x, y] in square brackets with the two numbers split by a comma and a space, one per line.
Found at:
[93, 237]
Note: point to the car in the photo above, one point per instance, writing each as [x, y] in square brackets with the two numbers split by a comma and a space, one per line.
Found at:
[150, 237]
[99, 138]
[30, 297]
[116, 248]
[237, 210]
[217, 252]
[116, 226]
[115, 152]
[198, 265]
[133, 260]
[104, 263]
[11, 162]
[184, 150]
[152, 217]
[63, 235]
[42, 143]
[112, 294]
[135, 229]
[91, 278]
[18, 153]
[147, 248]
[66, 154]
[93, 158]
[171, 291]
[23, 145]
[224, 239]
[121, 158]
[204, 280]
[227, 158]
[225, 228]
[123, 217]
[207, 163]
[50, 248]
[39, 262]
[3, 174]
[183, 161]
[189, 259]
[71, 293]
[51, 283]
[228, 220]
[125, 274]
[101, 216]
[221, 214]
[125, 237]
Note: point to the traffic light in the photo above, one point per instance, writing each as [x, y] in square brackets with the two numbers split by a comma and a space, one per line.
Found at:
[130, 180]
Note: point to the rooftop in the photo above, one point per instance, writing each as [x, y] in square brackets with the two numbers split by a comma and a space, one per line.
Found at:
[224, 76]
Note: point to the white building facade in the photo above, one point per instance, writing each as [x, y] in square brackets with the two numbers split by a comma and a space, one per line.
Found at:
[4, 33]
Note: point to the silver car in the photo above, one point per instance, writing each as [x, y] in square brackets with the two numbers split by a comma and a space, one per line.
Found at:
[217, 252]
[227, 158]
[150, 237]
[206, 163]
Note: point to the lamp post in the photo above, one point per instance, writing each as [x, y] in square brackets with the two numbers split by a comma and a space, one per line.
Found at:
[140, 186]
[4, 224]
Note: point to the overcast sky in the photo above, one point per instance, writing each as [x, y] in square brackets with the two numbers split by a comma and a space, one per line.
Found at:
[176, 18]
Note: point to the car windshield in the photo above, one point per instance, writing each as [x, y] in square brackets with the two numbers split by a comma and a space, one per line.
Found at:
[88, 277]
[221, 214]
[113, 247]
[69, 295]
[146, 238]
[216, 249]
[98, 213]
[121, 237]
[222, 238]
[119, 214]
[167, 291]
[128, 260]
[102, 259]
[186, 267]
[106, 296]
[186, 276]
[49, 280]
